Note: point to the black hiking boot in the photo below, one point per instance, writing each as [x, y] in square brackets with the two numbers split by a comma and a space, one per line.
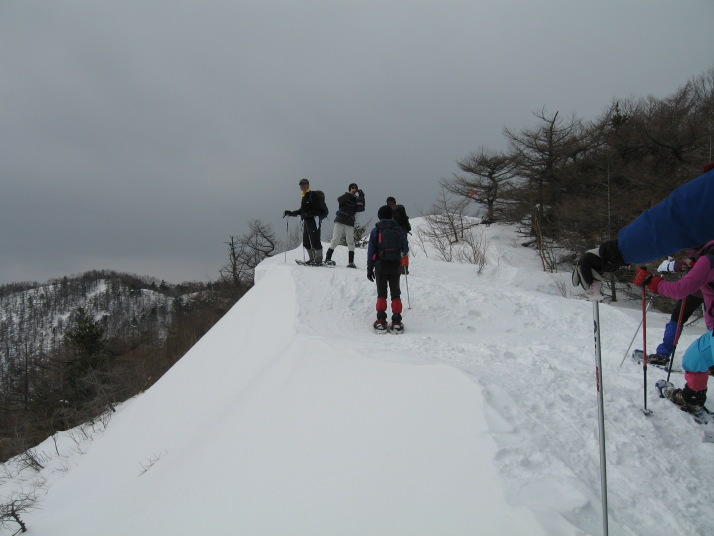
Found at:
[658, 359]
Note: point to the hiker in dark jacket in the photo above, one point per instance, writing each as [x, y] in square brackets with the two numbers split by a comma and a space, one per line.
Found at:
[387, 245]
[399, 213]
[311, 211]
[345, 225]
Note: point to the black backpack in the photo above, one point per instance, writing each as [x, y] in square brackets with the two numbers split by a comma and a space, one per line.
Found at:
[389, 241]
[399, 213]
[320, 205]
[359, 201]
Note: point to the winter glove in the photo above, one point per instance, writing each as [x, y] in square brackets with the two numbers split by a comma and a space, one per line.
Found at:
[587, 269]
[370, 273]
[593, 263]
[287, 213]
[667, 266]
[611, 256]
[675, 266]
[404, 261]
[644, 278]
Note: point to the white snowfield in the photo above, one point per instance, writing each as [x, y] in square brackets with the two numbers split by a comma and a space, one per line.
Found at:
[291, 417]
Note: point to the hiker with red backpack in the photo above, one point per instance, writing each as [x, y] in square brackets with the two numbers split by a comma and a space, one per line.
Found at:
[387, 245]
[399, 213]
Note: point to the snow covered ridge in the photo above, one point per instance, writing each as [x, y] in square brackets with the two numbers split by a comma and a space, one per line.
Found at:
[291, 417]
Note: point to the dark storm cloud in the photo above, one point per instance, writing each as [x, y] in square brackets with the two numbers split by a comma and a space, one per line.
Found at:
[139, 135]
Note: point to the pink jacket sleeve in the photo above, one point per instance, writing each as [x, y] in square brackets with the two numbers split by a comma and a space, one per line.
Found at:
[701, 274]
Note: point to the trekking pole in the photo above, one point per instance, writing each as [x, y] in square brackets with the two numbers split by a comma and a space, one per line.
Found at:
[312, 246]
[644, 349]
[302, 230]
[676, 336]
[287, 238]
[649, 303]
[596, 297]
[406, 278]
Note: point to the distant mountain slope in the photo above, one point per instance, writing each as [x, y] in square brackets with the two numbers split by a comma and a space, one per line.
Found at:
[35, 319]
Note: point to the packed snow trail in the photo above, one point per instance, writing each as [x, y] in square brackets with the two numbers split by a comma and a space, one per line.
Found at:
[531, 349]
[292, 417]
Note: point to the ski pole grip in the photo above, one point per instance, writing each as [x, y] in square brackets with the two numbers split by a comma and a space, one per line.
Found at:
[595, 294]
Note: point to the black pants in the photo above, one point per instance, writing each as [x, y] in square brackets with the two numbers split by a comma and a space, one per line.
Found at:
[692, 303]
[311, 233]
[388, 276]
[388, 279]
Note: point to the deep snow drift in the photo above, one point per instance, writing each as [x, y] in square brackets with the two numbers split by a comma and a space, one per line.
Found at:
[291, 417]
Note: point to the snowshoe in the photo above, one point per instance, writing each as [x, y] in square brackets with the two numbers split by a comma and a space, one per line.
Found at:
[313, 263]
[677, 396]
[380, 327]
[397, 328]
[656, 360]
[329, 262]
[351, 265]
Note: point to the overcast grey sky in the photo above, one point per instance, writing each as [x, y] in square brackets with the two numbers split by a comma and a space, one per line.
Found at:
[137, 135]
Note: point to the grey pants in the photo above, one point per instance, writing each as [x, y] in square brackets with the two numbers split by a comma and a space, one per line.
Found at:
[338, 230]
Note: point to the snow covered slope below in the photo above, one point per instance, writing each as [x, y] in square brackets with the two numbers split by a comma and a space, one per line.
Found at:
[291, 417]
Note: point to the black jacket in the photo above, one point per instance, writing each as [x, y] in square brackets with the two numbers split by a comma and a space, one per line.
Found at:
[310, 206]
[399, 213]
[347, 209]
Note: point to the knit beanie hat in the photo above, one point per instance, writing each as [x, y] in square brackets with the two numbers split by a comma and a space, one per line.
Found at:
[385, 212]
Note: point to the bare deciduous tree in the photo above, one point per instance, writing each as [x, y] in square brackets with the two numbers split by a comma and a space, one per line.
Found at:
[446, 225]
[539, 155]
[245, 252]
[488, 176]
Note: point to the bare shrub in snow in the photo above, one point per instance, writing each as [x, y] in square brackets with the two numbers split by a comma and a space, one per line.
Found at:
[11, 507]
[474, 249]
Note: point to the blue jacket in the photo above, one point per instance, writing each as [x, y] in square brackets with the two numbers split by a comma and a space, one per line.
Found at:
[685, 219]
[372, 259]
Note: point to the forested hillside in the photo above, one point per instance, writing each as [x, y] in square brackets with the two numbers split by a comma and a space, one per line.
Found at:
[72, 347]
[33, 320]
